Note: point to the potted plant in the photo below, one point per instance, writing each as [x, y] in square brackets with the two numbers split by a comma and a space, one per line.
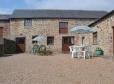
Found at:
[99, 51]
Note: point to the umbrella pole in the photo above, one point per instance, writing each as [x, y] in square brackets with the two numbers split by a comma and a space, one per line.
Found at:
[83, 39]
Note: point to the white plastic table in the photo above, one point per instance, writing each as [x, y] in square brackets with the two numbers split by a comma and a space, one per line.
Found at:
[80, 50]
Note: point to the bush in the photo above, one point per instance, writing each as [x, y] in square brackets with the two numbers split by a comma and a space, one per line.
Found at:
[1, 54]
[49, 52]
[42, 51]
[9, 46]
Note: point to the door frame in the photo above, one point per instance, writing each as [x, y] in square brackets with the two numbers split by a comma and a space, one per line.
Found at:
[68, 44]
[2, 40]
[2, 32]
[113, 38]
[20, 44]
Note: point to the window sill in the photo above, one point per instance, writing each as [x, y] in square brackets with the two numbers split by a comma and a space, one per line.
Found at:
[27, 27]
[50, 45]
[95, 43]
[63, 33]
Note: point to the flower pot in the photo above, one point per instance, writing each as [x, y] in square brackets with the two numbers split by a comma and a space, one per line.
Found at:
[99, 52]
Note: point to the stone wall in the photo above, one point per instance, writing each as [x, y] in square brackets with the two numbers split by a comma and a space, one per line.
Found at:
[47, 27]
[6, 29]
[5, 25]
[105, 35]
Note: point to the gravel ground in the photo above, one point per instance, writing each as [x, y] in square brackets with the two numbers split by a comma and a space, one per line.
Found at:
[57, 69]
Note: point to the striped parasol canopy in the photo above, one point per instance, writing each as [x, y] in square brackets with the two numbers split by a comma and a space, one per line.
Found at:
[82, 30]
[40, 38]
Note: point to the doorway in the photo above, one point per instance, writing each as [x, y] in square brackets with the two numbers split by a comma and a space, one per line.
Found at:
[66, 42]
[1, 41]
[20, 44]
[113, 40]
[1, 32]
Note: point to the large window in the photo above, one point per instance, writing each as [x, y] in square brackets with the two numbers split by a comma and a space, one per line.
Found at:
[50, 40]
[63, 27]
[95, 38]
[28, 22]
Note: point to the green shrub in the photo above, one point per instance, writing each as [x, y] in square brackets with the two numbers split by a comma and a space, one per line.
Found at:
[49, 52]
[1, 54]
[43, 51]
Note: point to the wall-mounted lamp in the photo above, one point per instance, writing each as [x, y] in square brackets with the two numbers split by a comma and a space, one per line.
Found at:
[99, 28]
[110, 37]
[21, 34]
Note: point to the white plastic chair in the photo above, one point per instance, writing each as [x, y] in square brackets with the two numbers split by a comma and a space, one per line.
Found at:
[90, 52]
[80, 52]
[87, 52]
[71, 48]
[73, 51]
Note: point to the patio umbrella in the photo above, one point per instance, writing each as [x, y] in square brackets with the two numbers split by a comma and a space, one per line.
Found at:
[39, 38]
[82, 30]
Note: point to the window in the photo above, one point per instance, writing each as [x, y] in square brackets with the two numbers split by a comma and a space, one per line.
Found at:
[50, 40]
[33, 38]
[28, 22]
[63, 27]
[20, 40]
[95, 38]
[68, 40]
[1, 32]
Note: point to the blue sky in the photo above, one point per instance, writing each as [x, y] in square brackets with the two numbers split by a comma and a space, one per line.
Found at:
[7, 6]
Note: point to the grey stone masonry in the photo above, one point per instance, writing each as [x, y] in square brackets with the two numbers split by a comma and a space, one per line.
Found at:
[47, 27]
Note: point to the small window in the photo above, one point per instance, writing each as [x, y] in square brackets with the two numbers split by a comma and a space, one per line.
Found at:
[28, 22]
[95, 38]
[20, 40]
[63, 27]
[33, 38]
[50, 40]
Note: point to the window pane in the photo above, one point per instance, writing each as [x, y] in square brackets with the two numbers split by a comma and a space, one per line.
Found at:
[95, 38]
[20, 40]
[50, 40]
[33, 38]
[63, 25]
[28, 22]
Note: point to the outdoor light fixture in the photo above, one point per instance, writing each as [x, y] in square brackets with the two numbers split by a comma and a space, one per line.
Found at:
[110, 37]
[21, 34]
[99, 28]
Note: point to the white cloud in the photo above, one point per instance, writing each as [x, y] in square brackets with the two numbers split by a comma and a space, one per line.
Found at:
[71, 4]
[5, 11]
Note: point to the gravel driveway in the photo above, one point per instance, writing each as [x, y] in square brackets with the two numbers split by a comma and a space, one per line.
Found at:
[57, 69]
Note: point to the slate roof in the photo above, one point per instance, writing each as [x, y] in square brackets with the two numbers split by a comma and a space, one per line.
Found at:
[4, 17]
[102, 18]
[56, 14]
[68, 14]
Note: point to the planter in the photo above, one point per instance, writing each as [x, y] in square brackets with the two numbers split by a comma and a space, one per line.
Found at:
[99, 52]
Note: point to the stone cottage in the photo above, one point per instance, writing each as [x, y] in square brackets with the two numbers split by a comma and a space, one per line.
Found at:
[104, 35]
[4, 31]
[24, 25]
